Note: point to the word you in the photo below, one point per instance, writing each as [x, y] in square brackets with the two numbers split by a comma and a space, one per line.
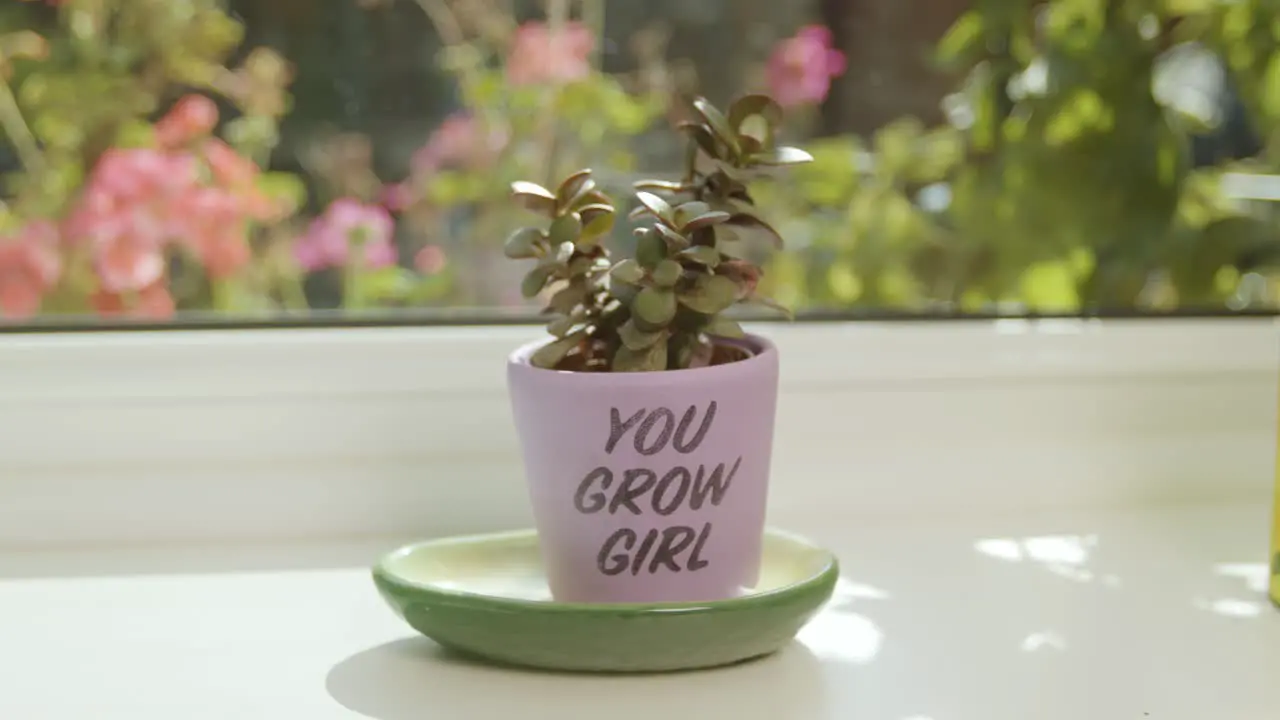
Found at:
[643, 490]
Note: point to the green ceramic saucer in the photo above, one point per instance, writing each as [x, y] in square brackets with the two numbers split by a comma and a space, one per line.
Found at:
[487, 595]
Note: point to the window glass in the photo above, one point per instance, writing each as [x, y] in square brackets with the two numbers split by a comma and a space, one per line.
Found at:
[171, 160]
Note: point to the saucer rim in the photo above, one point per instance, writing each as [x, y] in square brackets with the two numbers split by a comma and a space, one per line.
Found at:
[821, 582]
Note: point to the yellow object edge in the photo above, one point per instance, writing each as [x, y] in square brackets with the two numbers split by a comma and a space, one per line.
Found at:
[1275, 543]
[1275, 534]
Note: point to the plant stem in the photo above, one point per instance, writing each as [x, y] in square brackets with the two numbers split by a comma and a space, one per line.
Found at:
[220, 292]
[351, 299]
[444, 20]
[291, 292]
[15, 127]
[691, 162]
[557, 19]
[593, 12]
[451, 34]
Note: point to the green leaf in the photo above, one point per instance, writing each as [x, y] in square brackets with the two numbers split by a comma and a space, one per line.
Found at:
[593, 211]
[687, 211]
[895, 144]
[628, 271]
[550, 355]
[383, 284]
[533, 196]
[582, 266]
[673, 239]
[1270, 87]
[782, 156]
[654, 308]
[1049, 286]
[448, 187]
[704, 138]
[755, 134]
[523, 243]
[963, 41]
[748, 225]
[667, 273]
[561, 327]
[710, 294]
[657, 206]
[535, 280]
[582, 197]
[579, 183]
[636, 339]
[565, 229]
[597, 221]
[285, 188]
[694, 353]
[22, 45]
[717, 122]
[566, 299]
[650, 359]
[564, 251]
[651, 249]
[1189, 7]
[771, 303]
[715, 217]
[137, 133]
[659, 186]
[595, 197]
[725, 328]
[761, 106]
[703, 255]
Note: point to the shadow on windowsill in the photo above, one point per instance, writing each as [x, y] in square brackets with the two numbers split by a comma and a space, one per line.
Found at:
[414, 678]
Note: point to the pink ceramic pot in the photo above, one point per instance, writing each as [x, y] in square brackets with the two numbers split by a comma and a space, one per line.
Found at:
[648, 487]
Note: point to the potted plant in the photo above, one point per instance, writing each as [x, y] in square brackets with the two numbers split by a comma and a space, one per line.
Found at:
[646, 420]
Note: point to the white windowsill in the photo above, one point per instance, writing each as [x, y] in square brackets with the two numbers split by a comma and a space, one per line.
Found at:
[1044, 521]
[1061, 616]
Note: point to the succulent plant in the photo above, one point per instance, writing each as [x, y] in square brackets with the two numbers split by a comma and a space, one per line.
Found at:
[661, 309]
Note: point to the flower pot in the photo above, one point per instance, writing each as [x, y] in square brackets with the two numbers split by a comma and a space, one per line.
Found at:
[650, 486]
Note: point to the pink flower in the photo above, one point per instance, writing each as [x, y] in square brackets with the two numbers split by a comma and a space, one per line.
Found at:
[238, 176]
[430, 260]
[29, 267]
[127, 214]
[800, 68]
[347, 222]
[230, 169]
[459, 140]
[191, 118]
[216, 230]
[396, 197]
[139, 203]
[540, 56]
[129, 262]
[153, 301]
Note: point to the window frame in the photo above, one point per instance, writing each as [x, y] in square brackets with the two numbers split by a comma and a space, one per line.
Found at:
[199, 436]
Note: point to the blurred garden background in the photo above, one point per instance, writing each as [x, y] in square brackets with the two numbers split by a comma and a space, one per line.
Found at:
[286, 159]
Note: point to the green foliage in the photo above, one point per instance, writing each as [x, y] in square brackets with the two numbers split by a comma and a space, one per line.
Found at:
[661, 309]
[117, 65]
[90, 76]
[1063, 181]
